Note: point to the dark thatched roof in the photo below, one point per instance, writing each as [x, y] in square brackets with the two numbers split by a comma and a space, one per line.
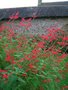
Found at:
[47, 11]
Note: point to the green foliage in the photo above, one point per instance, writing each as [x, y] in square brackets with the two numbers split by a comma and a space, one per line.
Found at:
[31, 65]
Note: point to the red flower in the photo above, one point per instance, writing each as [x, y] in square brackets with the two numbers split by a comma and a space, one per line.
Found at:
[64, 87]
[57, 80]
[0, 37]
[35, 71]
[24, 75]
[41, 44]
[35, 51]
[13, 62]
[66, 65]
[8, 58]
[46, 81]
[5, 76]
[31, 66]
[58, 61]
[53, 37]
[34, 56]
[26, 20]
[58, 50]
[65, 38]
[16, 16]
[36, 61]
[41, 88]
[3, 70]
[25, 23]
[11, 32]
[62, 43]
[27, 70]
[45, 37]
[60, 71]
[2, 27]
[27, 57]
[43, 67]
[63, 56]
[54, 52]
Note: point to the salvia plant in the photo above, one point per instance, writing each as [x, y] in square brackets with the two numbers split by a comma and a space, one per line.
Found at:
[32, 62]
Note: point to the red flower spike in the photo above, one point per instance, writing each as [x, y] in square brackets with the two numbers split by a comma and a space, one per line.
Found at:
[64, 87]
[8, 58]
[63, 56]
[0, 37]
[65, 38]
[26, 23]
[36, 61]
[3, 70]
[31, 66]
[52, 37]
[66, 65]
[59, 61]
[26, 20]
[24, 75]
[57, 80]
[44, 37]
[60, 71]
[62, 43]
[46, 81]
[54, 52]
[41, 88]
[41, 44]
[34, 57]
[16, 16]
[27, 57]
[43, 67]
[13, 62]
[2, 27]
[58, 50]
[5, 76]
[35, 51]
[35, 71]
[27, 70]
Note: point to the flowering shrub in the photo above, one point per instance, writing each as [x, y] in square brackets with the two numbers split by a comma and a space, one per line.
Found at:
[35, 62]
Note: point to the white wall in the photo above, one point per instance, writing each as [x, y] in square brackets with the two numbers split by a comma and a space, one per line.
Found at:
[53, 0]
[22, 3]
[17, 3]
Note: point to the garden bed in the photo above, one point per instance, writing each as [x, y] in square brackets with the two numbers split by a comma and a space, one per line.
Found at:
[33, 62]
